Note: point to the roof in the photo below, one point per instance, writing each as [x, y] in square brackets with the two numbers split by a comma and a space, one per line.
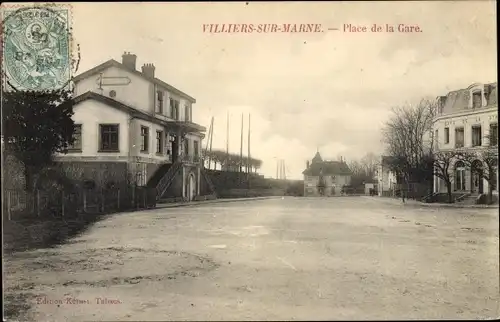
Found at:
[327, 168]
[114, 63]
[317, 158]
[188, 126]
[459, 99]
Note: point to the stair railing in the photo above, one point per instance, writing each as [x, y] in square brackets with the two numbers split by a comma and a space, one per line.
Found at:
[168, 178]
[208, 180]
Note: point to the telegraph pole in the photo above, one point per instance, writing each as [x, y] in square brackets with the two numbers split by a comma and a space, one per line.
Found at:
[241, 145]
[227, 143]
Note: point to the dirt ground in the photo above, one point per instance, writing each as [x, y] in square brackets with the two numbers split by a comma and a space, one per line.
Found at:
[277, 259]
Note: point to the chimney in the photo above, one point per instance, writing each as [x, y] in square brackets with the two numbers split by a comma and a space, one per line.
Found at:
[307, 164]
[129, 60]
[148, 70]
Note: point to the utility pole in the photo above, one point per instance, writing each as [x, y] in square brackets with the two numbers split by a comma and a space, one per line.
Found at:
[211, 140]
[241, 145]
[227, 143]
[248, 158]
[209, 137]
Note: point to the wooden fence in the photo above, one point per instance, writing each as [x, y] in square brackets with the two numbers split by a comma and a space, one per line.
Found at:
[18, 204]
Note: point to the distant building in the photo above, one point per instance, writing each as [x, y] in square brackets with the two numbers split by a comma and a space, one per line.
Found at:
[325, 178]
[133, 127]
[467, 119]
[386, 179]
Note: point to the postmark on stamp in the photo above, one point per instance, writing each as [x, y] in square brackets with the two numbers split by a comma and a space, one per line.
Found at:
[36, 47]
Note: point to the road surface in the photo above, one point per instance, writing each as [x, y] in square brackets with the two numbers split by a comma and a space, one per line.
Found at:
[278, 259]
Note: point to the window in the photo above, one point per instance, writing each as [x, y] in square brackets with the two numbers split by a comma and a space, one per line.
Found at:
[477, 100]
[186, 147]
[446, 135]
[476, 135]
[460, 176]
[196, 147]
[493, 134]
[459, 137]
[77, 138]
[159, 142]
[187, 113]
[109, 137]
[174, 109]
[144, 139]
[168, 144]
[159, 102]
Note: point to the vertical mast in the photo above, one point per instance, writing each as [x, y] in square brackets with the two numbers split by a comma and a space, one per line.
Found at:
[241, 144]
[227, 143]
[248, 158]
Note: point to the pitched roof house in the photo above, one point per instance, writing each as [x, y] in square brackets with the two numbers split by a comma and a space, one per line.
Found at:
[132, 126]
[325, 178]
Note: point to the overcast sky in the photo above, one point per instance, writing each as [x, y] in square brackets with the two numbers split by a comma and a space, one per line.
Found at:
[330, 90]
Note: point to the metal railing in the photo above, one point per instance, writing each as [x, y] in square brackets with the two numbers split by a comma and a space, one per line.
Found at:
[167, 179]
[191, 158]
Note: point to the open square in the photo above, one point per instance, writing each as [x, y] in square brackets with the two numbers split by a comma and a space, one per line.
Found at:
[274, 259]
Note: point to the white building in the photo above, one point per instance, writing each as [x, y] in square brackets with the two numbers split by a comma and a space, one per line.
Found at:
[135, 127]
[386, 179]
[467, 119]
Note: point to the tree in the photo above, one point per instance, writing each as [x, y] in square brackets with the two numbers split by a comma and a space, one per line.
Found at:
[35, 126]
[369, 163]
[443, 163]
[363, 170]
[409, 140]
[489, 168]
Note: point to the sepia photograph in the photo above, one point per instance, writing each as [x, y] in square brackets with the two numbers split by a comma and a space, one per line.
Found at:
[249, 161]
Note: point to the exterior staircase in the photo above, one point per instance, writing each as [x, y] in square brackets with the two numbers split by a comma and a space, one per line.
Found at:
[160, 172]
[208, 180]
[429, 198]
[469, 199]
[163, 178]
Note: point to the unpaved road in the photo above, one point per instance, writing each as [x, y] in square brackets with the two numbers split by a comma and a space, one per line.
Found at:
[291, 259]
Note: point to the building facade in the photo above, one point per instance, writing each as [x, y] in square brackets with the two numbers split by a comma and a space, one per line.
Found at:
[467, 120]
[325, 178]
[130, 125]
[386, 179]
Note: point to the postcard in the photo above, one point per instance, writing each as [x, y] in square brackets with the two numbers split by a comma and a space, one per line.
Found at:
[250, 160]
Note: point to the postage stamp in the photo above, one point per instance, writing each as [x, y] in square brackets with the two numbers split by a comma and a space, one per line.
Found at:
[36, 47]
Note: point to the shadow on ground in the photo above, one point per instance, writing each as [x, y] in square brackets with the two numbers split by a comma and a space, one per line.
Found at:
[27, 235]
[38, 233]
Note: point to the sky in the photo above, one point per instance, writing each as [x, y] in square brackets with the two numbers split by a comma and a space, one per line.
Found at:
[330, 91]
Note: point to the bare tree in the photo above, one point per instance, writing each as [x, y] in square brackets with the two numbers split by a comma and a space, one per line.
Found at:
[489, 167]
[443, 165]
[369, 163]
[409, 140]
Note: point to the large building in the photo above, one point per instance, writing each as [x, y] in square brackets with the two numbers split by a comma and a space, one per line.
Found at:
[134, 127]
[325, 178]
[467, 119]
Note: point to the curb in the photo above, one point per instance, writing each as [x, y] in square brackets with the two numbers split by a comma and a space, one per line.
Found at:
[436, 205]
[198, 203]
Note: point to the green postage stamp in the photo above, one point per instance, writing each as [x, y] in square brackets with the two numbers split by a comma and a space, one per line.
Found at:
[36, 47]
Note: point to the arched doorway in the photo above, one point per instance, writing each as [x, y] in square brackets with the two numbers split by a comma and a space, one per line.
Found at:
[460, 176]
[191, 187]
[476, 177]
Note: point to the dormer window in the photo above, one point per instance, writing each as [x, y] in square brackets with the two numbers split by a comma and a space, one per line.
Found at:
[477, 99]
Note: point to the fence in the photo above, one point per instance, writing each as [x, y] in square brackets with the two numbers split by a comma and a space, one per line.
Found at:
[19, 205]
